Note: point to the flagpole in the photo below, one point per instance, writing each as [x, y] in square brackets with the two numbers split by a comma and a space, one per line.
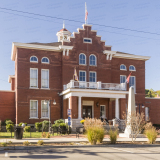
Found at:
[85, 13]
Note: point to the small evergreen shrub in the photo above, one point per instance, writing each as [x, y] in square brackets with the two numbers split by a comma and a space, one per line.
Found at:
[38, 126]
[40, 142]
[27, 128]
[45, 124]
[62, 125]
[26, 143]
[59, 121]
[20, 124]
[9, 125]
[113, 136]
[43, 135]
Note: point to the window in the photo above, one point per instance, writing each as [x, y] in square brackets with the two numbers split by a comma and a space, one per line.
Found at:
[146, 113]
[33, 109]
[33, 77]
[122, 67]
[92, 76]
[44, 78]
[34, 59]
[82, 76]
[102, 112]
[44, 109]
[122, 79]
[132, 68]
[92, 60]
[132, 82]
[82, 59]
[87, 40]
[45, 60]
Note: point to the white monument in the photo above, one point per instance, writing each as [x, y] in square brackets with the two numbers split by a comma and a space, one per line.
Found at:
[131, 110]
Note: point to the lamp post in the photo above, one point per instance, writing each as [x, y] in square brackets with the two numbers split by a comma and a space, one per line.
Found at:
[140, 104]
[54, 103]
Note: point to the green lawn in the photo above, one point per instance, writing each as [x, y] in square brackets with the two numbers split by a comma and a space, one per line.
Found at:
[25, 134]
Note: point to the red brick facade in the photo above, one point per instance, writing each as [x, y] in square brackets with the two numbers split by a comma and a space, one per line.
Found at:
[61, 70]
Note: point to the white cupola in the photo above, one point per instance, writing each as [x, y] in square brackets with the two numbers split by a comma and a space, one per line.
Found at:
[63, 34]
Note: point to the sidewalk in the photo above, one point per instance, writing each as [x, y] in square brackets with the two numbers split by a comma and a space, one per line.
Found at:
[70, 138]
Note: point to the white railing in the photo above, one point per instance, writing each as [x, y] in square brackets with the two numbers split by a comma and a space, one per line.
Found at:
[95, 85]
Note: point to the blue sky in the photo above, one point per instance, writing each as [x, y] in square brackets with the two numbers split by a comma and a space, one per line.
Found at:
[140, 15]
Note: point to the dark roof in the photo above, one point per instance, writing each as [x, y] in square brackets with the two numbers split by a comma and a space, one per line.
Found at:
[47, 44]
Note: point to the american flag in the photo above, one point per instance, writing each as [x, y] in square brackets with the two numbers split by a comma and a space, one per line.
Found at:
[127, 80]
[86, 13]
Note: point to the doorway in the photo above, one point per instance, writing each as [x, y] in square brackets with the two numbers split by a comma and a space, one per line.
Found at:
[87, 112]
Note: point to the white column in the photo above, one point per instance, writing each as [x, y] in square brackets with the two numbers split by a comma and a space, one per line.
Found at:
[69, 104]
[79, 108]
[117, 108]
[67, 52]
[98, 85]
[64, 52]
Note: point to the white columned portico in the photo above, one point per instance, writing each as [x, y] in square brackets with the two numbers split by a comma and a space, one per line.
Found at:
[79, 107]
[117, 108]
[69, 103]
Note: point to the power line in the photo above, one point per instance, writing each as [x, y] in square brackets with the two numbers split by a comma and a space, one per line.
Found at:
[133, 30]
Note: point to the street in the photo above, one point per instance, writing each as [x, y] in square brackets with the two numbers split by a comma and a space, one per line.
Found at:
[109, 152]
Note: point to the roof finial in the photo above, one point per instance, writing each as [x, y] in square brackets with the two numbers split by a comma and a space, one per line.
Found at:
[63, 24]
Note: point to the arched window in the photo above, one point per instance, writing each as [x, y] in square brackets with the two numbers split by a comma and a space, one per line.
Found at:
[33, 59]
[45, 60]
[92, 60]
[122, 67]
[82, 59]
[132, 68]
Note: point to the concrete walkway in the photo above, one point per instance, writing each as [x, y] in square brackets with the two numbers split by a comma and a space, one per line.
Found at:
[62, 139]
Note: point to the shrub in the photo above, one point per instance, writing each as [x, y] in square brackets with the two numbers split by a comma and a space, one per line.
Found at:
[40, 142]
[3, 144]
[43, 135]
[27, 128]
[55, 125]
[150, 132]
[48, 135]
[62, 125]
[20, 124]
[9, 122]
[38, 126]
[9, 127]
[113, 136]
[59, 121]
[82, 121]
[94, 129]
[45, 124]
[4, 122]
[26, 143]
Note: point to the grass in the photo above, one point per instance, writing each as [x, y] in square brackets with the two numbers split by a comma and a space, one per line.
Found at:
[25, 134]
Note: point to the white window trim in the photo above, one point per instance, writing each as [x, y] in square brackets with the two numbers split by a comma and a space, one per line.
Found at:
[48, 79]
[87, 38]
[85, 59]
[95, 75]
[125, 77]
[30, 110]
[131, 69]
[33, 61]
[30, 78]
[95, 60]
[85, 75]
[104, 110]
[48, 111]
[123, 69]
[134, 84]
[45, 62]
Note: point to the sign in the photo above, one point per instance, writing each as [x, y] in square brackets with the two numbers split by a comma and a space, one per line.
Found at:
[69, 119]
[69, 112]
[69, 123]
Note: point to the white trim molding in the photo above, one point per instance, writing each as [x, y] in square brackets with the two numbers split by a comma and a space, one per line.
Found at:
[65, 48]
[109, 54]
[10, 77]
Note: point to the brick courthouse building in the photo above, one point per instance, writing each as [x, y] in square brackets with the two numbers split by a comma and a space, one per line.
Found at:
[44, 71]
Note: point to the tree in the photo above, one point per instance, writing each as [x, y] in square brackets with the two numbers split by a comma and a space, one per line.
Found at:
[150, 93]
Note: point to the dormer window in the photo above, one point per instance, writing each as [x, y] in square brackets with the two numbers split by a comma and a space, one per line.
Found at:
[45, 60]
[34, 59]
[132, 68]
[123, 67]
[82, 59]
[87, 40]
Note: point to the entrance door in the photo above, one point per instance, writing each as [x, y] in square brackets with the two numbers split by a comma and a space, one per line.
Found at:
[87, 112]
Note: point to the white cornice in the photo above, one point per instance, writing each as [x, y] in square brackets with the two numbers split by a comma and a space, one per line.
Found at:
[131, 56]
[108, 46]
[80, 29]
[10, 77]
[65, 47]
[87, 25]
[103, 41]
[6, 91]
[16, 45]
[109, 52]
[98, 36]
